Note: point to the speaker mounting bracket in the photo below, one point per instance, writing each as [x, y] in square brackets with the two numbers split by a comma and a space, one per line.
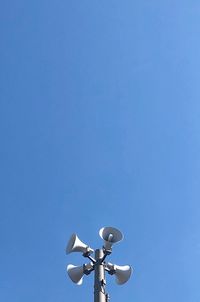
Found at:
[87, 255]
[87, 271]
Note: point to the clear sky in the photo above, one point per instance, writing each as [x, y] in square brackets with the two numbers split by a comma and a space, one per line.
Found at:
[100, 126]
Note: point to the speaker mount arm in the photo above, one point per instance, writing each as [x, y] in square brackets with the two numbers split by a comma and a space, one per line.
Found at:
[87, 255]
[106, 253]
[86, 270]
[110, 270]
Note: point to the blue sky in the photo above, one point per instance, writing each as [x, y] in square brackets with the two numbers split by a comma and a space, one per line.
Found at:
[99, 126]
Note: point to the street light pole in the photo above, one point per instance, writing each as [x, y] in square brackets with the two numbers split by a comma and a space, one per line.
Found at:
[98, 264]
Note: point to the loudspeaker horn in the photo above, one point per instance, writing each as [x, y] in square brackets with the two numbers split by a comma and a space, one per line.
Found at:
[110, 236]
[76, 272]
[76, 245]
[122, 273]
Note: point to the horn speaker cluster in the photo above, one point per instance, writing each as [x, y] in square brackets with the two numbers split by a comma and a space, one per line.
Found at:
[110, 236]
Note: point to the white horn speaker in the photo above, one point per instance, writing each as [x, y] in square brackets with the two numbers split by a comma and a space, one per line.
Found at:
[76, 245]
[110, 236]
[122, 273]
[75, 273]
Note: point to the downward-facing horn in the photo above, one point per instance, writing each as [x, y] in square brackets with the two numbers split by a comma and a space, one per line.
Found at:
[122, 273]
[76, 272]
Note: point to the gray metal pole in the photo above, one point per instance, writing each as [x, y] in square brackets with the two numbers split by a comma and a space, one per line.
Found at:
[99, 278]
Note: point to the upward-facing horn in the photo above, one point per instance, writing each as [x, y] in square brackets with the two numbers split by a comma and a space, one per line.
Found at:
[110, 236]
[76, 245]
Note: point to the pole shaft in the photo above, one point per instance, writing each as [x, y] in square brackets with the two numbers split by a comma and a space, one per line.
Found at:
[99, 278]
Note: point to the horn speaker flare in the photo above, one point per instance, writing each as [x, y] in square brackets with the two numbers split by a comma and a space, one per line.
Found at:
[110, 236]
[122, 273]
[76, 245]
[76, 272]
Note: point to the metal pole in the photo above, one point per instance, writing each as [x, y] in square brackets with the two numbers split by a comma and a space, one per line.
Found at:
[99, 278]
